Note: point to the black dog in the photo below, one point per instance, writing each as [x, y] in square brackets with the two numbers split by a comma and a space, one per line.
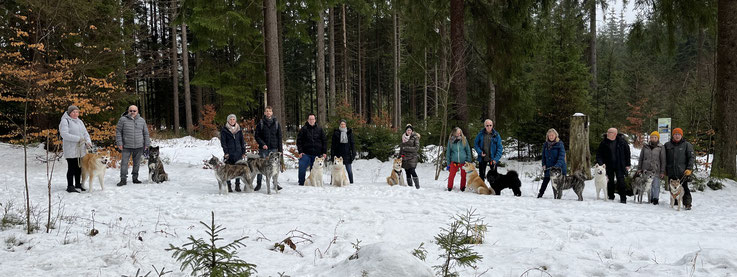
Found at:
[504, 181]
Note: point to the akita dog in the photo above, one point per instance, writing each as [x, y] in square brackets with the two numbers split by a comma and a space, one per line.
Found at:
[225, 172]
[641, 183]
[268, 167]
[474, 182]
[562, 182]
[315, 178]
[395, 178]
[156, 171]
[94, 165]
[340, 178]
[600, 180]
[676, 193]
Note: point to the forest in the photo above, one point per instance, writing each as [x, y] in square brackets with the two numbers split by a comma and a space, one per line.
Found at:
[380, 64]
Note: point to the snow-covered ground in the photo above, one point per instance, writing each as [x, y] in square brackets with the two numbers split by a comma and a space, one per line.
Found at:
[562, 237]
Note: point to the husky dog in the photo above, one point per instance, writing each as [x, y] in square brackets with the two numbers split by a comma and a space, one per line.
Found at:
[562, 182]
[600, 180]
[676, 193]
[156, 171]
[225, 172]
[395, 178]
[340, 178]
[641, 183]
[315, 178]
[500, 182]
[94, 165]
[475, 183]
[269, 167]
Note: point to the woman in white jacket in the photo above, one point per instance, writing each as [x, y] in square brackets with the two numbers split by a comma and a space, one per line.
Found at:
[76, 140]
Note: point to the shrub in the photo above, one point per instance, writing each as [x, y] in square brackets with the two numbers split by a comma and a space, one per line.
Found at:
[376, 141]
[715, 184]
[454, 243]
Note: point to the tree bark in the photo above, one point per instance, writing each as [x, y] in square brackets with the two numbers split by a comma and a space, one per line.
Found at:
[282, 84]
[592, 45]
[321, 109]
[345, 60]
[187, 93]
[271, 48]
[331, 45]
[424, 88]
[360, 80]
[174, 67]
[579, 156]
[198, 89]
[725, 146]
[458, 48]
[397, 66]
[491, 109]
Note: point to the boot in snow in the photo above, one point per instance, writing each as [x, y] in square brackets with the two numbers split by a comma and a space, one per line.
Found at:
[417, 182]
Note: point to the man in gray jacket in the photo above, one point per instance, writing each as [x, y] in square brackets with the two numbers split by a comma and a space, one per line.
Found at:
[652, 160]
[131, 137]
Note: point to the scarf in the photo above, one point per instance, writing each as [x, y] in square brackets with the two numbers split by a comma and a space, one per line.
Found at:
[269, 120]
[405, 138]
[233, 128]
[343, 135]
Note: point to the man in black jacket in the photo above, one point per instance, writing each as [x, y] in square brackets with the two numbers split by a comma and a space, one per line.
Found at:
[311, 142]
[268, 136]
[679, 162]
[614, 152]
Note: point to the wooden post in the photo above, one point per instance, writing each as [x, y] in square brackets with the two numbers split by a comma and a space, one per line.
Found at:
[578, 157]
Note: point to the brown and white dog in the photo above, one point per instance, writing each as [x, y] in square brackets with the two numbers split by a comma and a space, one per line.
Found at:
[676, 193]
[475, 183]
[340, 178]
[94, 165]
[395, 178]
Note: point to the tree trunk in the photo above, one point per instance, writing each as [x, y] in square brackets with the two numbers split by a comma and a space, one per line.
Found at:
[397, 65]
[321, 109]
[185, 67]
[725, 146]
[491, 109]
[198, 89]
[437, 85]
[174, 67]
[579, 156]
[458, 48]
[331, 45]
[360, 80]
[592, 45]
[282, 84]
[272, 57]
[424, 88]
[345, 59]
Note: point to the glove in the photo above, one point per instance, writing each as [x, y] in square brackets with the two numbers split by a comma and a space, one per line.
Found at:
[447, 168]
[687, 172]
[226, 156]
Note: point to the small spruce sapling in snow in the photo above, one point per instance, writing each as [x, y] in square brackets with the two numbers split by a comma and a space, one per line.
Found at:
[453, 241]
[207, 259]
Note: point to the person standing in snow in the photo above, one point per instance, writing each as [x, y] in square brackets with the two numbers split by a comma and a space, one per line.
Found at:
[457, 153]
[234, 145]
[614, 152]
[488, 146]
[75, 142]
[269, 138]
[679, 157]
[554, 154]
[342, 145]
[652, 160]
[408, 150]
[311, 143]
[131, 137]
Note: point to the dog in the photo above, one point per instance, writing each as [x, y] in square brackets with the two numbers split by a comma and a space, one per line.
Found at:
[395, 178]
[94, 165]
[269, 167]
[226, 172]
[474, 182]
[340, 178]
[315, 178]
[600, 180]
[562, 182]
[156, 171]
[641, 183]
[676, 193]
[500, 182]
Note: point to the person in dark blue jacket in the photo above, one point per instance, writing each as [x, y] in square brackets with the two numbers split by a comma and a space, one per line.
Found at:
[234, 145]
[311, 143]
[488, 146]
[554, 154]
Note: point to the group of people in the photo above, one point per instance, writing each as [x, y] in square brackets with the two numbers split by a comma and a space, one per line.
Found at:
[675, 159]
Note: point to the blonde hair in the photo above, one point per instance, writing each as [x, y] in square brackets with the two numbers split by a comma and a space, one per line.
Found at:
[455, 130]
[551, 130]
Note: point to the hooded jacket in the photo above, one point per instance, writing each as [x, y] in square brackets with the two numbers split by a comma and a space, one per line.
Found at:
[74, 137]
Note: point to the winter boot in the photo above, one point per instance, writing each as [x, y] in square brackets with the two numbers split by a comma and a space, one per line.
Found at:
[258, 187]
[623, 200]
[135, 180]
[655, 201]
[237, 186]
[688, 207]
[278, 187]
[463, 188]
[71, 189]
[122, 183]
[80, 188]
[409, 181]
[540, 194]
[449, 189]
[417, 182]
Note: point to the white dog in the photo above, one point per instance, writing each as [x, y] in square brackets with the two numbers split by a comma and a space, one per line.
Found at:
[94, 165]
[600, 180]
[340, 178]
[315, 178]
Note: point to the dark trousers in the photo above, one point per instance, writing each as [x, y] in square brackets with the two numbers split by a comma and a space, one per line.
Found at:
[349, 168]
[482, 169]
[544, 186]
[686, 191]
[621, 188]
[410, 172]
[74, 172]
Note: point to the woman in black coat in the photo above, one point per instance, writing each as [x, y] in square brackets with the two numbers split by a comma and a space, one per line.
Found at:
[342, 146]
[234, 145]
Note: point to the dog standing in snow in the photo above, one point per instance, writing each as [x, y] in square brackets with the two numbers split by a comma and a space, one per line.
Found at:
[315, 178]
[600, 180]
[226, 172]
[562, 182]
[94, 165]
[395, 178]
[340, 178]
[642, 183]
[269, 167]
[676, 193]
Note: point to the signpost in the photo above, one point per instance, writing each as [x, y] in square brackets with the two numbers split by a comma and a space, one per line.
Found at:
[664, 128]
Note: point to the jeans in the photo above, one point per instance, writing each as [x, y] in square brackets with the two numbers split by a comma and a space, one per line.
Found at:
[655, 189]
[127, 153]
[349, 168]
[304, 162]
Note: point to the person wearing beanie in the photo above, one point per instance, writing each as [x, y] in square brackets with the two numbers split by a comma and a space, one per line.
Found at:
[234, 145]
[131, 137]
[342, 145]
[488, 146]
[679, 157]
[457, 154]
[75, 142]
[652, 161]
[614, 152]
[409, 151]
[269, 138]
[554, 155]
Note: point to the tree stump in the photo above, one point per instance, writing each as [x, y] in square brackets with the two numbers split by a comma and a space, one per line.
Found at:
[579, 155]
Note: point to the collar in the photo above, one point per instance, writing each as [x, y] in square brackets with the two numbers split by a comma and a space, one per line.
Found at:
[469, 172]
[398, 171]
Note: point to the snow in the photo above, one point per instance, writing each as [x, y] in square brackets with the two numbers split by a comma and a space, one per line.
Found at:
[578, 114]
[565, 237]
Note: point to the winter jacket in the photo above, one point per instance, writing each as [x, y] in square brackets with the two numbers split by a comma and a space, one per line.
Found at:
[132, 132]
[652, 159]
[458, 152]
[554, 154]
[344, 150]
[234, 145]
[604, 155]
[311, 140]
[269, 134]
[409, 151]
[679, 156]
[74, 137]
[495, 148]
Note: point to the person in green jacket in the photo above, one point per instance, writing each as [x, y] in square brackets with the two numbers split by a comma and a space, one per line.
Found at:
[457, 154]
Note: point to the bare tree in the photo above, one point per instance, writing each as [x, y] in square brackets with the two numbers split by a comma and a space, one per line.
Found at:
[458, 46]
[174, 67]
[725, 148]
[321, 109]
[331, 45]
[185, 71]
[272, 57]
